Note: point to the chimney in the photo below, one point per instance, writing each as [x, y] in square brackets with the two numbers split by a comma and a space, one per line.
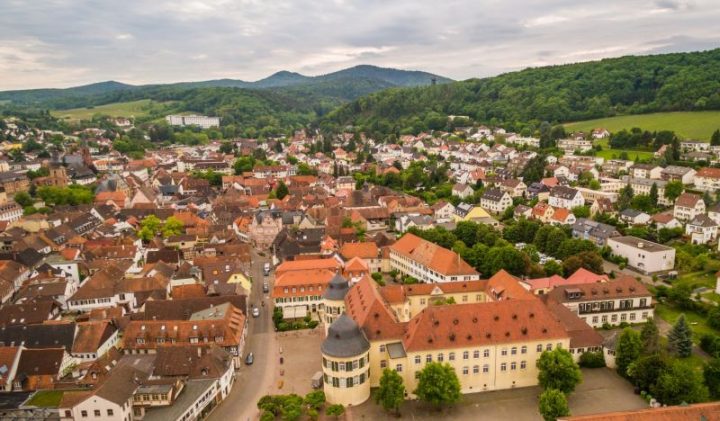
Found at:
[641, 245]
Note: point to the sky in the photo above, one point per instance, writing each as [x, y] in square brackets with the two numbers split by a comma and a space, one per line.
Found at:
[62, 43]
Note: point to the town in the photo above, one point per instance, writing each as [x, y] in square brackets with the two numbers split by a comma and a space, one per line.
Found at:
[319, 275]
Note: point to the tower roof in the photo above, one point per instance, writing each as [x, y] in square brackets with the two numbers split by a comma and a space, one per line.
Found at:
[345, 339]
[337, 288]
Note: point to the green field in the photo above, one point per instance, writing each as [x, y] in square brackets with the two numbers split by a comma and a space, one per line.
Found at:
[688, 125]
[139, 108]
[46, 398]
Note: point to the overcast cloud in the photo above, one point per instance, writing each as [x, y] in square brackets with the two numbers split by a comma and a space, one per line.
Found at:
[61, 43]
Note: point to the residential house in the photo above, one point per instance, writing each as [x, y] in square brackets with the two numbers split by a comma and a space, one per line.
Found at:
[367, 251]
[565, 197]
[708, 179]
[496, 200]
[611, 303]
[702, 230]
[688, 206]
[686, 175]
[462, 191]
[594, 231]
[634, 217]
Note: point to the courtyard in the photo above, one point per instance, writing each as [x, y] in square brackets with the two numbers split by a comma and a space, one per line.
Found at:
[602, 390]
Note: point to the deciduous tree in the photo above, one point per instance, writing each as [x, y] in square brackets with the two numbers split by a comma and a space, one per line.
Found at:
[553, 404]
[391, 393]
[627, 350]
[557, 370]
[438, 385]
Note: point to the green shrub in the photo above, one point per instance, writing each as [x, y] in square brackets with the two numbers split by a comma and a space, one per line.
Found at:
[592, 359]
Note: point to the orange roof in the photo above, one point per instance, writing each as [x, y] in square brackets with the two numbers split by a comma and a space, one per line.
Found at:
[584, 276]
[437, 258]
[542, 283]
[312, 282]
[503, 286]
[116, 196]
[356, 264]
[708, 173]
[8, 354]
[701, 411]
[478, 324]
[365, 250]
[294, 265]
[561, 214]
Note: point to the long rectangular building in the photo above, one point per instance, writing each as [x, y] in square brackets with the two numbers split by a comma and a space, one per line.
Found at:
[428, 262]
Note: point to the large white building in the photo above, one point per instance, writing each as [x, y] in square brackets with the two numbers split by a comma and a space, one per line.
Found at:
[643, 255]
[193, 120]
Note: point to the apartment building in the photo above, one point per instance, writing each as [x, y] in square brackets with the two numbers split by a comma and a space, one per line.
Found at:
[614, 302]
[496, 200]
[688, 206]
[428, 262]
[202, 121]
[686, 175]
[708, 179]
[645, 256]
[565, 197]
[644, 185]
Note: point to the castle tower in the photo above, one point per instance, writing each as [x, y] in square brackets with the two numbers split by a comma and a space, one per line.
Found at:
[346, 363]
[334, 300]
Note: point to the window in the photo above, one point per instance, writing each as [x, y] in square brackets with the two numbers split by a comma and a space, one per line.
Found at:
[96, 412]
[451, 356]
[428, 358]
[632, 316]
[486, 368]
[504, 351]
[595, 319]
[539, 348]
[503, 367]
[466, 355]
[464, 298]
[110, 412]
[548, 347]
[513, 365]
[513, 350]
[418, 360]
[349, 382]
[476, 354]
[604, 318]
[383, 364]
[382, 348]
[422, 301]
[614, 318]
[398, 368]
[623, 317]
[476, 369]
[523, 365]
[486, 353]
[465, 370]
[83, 414]
[645, 315]
[523, 350]
[440, 357]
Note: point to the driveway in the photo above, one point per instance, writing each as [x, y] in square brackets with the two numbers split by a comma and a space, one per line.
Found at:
[252, 382]
[602, 390]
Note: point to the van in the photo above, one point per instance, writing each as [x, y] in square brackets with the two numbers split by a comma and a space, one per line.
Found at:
[317, 380]
[266, 269]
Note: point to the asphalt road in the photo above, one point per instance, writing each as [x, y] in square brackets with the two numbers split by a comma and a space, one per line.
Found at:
[254, 381]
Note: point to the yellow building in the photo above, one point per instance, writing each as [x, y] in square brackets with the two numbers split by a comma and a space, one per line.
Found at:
[346, 363]
[491, 332]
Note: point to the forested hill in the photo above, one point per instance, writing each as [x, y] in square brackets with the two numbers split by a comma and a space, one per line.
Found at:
[340, 86]
[626, 85]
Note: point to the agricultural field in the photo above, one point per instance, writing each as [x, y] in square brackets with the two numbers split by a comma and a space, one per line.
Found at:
[129, 109]
[688, 125]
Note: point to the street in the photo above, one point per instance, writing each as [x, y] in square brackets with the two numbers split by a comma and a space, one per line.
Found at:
[254, 381]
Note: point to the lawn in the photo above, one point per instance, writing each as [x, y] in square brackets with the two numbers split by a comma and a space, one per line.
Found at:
[615, 154]
[138, 108]
[46, 398]
[688, 125]
[697, 279]
[697, 322]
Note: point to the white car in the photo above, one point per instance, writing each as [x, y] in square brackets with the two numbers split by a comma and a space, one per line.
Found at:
[256, 312]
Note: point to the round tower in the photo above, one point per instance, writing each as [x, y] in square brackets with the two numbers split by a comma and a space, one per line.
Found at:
[346, 363]
[334, 300]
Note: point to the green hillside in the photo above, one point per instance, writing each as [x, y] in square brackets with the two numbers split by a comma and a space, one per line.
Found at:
[689, 125]
[128, 109]
[573, 92]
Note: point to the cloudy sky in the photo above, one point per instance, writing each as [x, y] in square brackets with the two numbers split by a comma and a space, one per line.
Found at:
[61, 43]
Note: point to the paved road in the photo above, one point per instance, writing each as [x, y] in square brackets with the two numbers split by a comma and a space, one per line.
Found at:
[252, 382]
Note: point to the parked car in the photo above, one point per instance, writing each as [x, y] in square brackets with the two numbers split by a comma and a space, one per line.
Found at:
[256, 312]
[266, 269]
[317, 380]
[249, 359]
[266, 287]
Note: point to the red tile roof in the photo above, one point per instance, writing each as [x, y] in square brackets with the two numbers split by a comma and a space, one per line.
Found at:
[478, 324]
[437, 258]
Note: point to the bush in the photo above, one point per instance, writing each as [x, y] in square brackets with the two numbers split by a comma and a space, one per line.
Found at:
[710, 343]
[313, 324]
[592, 359]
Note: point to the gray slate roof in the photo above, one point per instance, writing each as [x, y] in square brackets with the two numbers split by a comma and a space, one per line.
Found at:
[345, 339]
[337, 289]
